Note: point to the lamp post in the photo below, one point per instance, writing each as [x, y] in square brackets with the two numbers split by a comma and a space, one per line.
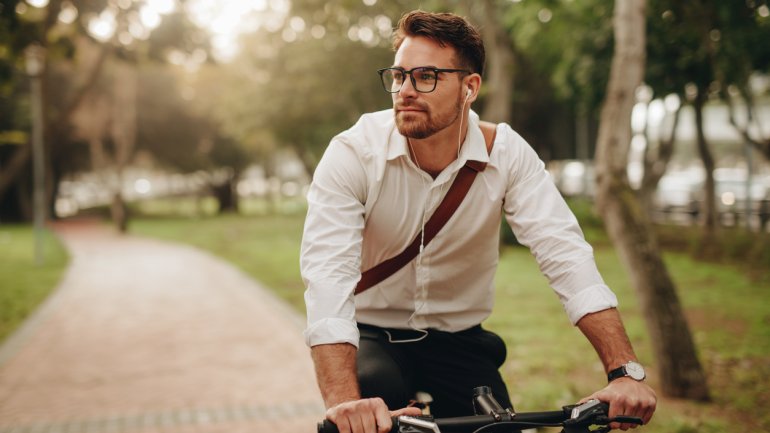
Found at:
[35, 64]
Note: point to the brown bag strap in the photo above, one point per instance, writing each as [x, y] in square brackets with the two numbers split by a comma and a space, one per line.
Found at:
[450, 203]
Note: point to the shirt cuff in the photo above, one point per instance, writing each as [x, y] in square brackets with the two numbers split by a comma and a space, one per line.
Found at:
[594, 298]
[331, 331]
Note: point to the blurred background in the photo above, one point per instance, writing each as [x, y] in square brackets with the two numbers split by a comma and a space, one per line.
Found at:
[236, 100]
[202, 121]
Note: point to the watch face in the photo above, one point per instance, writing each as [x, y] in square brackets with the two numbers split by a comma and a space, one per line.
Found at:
[635, 371]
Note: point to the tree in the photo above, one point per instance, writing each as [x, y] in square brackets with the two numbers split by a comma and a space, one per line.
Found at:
[699, 50]
[561, 73]
[124, 41]
[657, 155]
[628, 225]
[33, 25]
[751, 128]
[180, 133]
[296, 85]
[741, 57]
[501, 59]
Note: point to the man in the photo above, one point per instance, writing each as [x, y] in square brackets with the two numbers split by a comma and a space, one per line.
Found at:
[372, 193]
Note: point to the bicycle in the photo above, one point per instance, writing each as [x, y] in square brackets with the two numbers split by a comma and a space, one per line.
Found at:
[590, 416]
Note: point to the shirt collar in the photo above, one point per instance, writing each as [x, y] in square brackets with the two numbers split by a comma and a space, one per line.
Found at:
[397, 145]
[474, 147]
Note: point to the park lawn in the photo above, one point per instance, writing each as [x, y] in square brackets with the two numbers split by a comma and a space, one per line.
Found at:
[549, 363]
[23, 284]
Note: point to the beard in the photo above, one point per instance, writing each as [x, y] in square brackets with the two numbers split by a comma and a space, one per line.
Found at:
[425, 123]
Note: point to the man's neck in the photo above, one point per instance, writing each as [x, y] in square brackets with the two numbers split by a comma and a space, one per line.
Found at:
[433, 154]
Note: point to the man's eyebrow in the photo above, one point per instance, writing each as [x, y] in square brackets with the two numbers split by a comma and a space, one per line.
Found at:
[416, 67]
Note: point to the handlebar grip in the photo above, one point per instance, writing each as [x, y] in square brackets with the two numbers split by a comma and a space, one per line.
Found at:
[327, 426]
[628, 420]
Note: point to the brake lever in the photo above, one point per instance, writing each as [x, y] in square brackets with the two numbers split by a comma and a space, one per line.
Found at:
[410, 424]
[601, 424]
[591, 416]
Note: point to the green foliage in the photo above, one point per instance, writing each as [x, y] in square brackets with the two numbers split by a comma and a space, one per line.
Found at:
[72, 76]
[294, 90]
[570, 42]
[23, 284]
[299, 95]
[711, 43]
[177, 133]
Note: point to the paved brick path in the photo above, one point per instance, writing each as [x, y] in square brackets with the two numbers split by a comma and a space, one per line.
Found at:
[146, 336]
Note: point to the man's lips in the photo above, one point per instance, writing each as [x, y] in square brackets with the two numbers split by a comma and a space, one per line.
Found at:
[408, 109]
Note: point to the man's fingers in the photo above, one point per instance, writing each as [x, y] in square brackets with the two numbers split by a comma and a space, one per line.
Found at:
[357, 426]
[409, 411]
[380, 415]
[647, 412]
[343, 425]
[368, 423]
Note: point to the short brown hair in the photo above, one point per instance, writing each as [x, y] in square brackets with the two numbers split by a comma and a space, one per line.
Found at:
[445, 29]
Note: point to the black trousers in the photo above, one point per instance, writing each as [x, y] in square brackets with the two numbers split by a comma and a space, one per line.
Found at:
[446, 365]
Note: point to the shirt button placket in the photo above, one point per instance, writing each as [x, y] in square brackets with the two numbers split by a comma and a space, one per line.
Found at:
[423, 267]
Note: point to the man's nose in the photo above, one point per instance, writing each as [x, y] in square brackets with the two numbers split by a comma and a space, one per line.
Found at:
[407, 89]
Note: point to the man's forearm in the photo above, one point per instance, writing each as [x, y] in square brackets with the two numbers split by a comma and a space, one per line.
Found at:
[604, 329]
[335, 367]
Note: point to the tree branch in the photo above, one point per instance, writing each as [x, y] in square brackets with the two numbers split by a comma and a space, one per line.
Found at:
[762, 144]
[63, 119]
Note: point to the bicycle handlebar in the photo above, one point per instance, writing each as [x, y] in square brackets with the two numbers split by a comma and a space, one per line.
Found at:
[587, 417]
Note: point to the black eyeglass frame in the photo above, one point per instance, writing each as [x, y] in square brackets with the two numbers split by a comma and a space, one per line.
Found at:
[412, 79]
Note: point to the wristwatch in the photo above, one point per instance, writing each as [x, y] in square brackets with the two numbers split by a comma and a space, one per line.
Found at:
[631, 369]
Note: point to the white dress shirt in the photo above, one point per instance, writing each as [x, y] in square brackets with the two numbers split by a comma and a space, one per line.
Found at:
[367, 202]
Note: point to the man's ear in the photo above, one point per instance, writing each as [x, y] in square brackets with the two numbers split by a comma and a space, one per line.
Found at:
[473, 83]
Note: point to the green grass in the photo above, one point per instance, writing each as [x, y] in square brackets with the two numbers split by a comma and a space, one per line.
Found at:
[549, 362]
[23, 284]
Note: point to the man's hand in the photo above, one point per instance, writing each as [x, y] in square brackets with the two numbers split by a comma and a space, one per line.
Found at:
[627, 397]
[369, 415]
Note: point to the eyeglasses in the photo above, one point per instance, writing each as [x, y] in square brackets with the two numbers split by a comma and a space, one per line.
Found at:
[424, 78]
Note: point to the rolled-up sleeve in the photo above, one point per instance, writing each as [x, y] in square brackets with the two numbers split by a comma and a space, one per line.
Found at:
[541, 220]
[330, 255]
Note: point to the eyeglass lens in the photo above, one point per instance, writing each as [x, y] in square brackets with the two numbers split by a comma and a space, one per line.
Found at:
[423, 79]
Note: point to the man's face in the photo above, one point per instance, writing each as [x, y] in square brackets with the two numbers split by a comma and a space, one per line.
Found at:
[420, 115]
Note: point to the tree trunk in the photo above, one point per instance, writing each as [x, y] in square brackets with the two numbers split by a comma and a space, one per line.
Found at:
[708, 207]
[656, 163]
[226, 194]
[10, 172]
[123, 133]
[628, 224]
[500, 65]
[119, 212]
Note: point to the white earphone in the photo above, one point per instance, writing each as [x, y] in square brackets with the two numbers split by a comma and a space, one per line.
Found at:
[468, 94]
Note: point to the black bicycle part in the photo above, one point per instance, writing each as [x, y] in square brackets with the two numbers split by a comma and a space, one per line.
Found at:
[590, 416]
[484, 403]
